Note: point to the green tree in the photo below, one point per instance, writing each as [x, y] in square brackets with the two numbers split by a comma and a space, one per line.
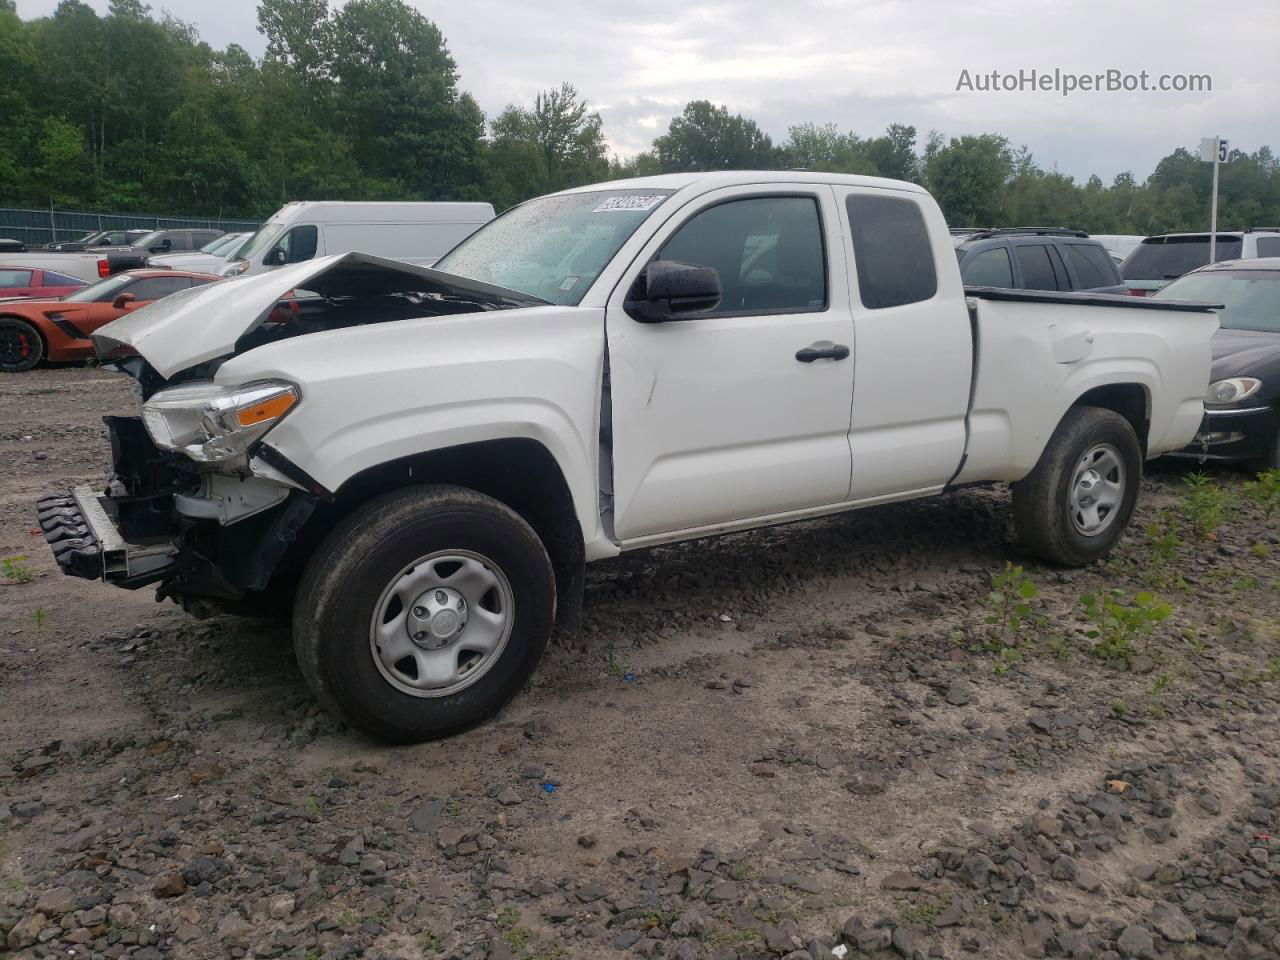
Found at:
[60, 162]
[399, 104]
[707, 137]
[968, 176]
[557, 144]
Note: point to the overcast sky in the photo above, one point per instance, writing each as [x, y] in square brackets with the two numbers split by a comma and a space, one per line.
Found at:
[862, 64]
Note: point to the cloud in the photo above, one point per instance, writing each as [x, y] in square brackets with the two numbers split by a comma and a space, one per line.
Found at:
[861, 64]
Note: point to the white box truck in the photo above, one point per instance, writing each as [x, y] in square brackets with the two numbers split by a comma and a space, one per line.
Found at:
[418, 233]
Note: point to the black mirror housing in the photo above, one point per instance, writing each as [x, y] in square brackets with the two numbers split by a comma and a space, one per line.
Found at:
[673, 290]
[276, 258]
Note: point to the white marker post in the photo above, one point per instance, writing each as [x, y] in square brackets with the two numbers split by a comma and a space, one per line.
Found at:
[1213, 149]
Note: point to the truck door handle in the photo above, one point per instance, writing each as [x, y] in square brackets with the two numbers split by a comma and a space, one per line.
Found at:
[822, 350]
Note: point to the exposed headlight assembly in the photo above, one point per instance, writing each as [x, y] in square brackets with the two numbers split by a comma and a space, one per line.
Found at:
[1232, 390]
[234, 268]
[213, 424]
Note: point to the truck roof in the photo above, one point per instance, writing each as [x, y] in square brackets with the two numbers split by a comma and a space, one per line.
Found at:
[711, 180]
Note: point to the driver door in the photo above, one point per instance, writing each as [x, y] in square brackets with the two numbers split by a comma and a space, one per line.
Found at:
[723, 417]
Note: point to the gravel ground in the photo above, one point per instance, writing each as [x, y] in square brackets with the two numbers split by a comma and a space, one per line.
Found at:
[780, 743]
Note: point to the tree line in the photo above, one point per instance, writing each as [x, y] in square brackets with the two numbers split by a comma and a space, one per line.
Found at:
[130, 111]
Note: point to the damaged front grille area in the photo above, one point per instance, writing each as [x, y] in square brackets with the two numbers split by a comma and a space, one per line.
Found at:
[87, 543]
[74, 546]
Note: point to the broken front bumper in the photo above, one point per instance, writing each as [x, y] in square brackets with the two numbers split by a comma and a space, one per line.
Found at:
[87, 543]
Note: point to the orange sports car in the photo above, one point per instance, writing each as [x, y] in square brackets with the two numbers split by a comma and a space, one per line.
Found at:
[59, 328]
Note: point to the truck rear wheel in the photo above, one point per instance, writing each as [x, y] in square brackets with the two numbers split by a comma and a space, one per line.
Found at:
[423, 612]
[1073, 507]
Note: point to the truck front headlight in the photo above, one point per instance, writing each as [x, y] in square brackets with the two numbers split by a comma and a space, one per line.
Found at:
[1232, 390]
[212, 424]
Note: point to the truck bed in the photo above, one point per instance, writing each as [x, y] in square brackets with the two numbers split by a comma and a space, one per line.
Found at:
[1036, 350]
[81, 265]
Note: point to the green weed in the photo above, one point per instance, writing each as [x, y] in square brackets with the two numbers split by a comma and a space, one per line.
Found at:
[429, 942]
[17, 569]
[1118, 626]
[517, 938]
[1011, 609]
[1265, 491]
[1206, 503]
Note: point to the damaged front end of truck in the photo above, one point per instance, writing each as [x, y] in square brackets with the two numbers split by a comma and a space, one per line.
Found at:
[199, 503]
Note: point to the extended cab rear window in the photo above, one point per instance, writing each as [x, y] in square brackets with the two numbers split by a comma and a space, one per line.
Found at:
[892, 251]
[1167, 258]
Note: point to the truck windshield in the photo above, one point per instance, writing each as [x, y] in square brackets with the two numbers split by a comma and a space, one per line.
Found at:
[553, 247]
[1166, 258]
[1250, 298]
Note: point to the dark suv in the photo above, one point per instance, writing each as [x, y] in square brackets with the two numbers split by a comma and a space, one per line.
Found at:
[1036, 258]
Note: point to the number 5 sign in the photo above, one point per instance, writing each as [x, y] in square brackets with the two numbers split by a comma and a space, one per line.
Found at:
[1213, 150]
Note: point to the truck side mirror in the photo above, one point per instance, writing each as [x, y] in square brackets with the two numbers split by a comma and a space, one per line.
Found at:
[672, 290]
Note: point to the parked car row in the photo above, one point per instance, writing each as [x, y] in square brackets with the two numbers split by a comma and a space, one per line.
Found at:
[59, 328]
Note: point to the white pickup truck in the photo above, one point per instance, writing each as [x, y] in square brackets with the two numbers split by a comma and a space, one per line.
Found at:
[421, 461]
[84, 266]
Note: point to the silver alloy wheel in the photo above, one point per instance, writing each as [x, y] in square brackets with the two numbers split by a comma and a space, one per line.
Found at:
[442, 623]
[1097, 490]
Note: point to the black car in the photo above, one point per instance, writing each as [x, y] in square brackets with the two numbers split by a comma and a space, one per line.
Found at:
[98, 238]
[1035, 258]
[1242, 407]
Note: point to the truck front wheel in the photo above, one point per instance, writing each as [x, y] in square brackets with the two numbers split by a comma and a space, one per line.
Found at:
[423, 612]
[1075, 504]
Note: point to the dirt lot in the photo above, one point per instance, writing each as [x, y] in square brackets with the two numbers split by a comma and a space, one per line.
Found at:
[772, 744]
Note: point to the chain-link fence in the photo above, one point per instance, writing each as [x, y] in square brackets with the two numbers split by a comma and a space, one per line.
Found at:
[36, 228]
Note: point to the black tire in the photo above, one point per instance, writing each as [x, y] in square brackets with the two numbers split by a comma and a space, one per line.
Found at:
[345, 581]
[1042, 508]
[21, 346]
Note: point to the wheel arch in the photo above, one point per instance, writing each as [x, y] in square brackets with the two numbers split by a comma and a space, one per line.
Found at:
[1130, 400]
[519, 472]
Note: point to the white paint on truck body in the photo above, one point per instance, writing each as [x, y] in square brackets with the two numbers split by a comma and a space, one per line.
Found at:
[713, 425]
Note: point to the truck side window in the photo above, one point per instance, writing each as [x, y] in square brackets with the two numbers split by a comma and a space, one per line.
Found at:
[989, 268]
[767, 250]
[1037, 271]
[1269, 246]
[892, 251]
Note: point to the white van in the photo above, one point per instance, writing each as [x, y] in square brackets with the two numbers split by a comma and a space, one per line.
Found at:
[418, 233]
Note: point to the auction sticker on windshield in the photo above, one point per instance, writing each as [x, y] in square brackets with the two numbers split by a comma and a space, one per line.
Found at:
[627, 204]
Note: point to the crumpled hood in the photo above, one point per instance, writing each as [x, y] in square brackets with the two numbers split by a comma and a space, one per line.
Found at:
[203, 323]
